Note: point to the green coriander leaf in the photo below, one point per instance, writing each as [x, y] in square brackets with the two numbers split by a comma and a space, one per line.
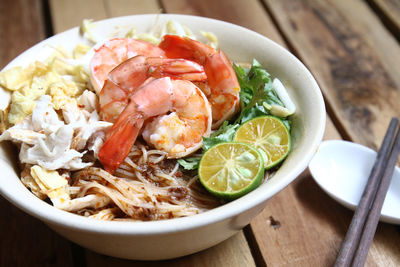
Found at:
[190, 163]
[256, 91]
[225, 133]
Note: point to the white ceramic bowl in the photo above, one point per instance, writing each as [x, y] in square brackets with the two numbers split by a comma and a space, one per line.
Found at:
[178, 237]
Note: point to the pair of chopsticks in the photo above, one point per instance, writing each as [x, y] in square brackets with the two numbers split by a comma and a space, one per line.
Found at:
[363, 226]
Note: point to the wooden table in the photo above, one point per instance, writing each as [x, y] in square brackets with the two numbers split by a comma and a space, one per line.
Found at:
[352, 49]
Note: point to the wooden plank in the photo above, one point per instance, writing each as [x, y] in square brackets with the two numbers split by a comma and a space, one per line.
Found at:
[336, 45]
[289, 231]
[303, 226]
[246, 13]
[389, 11]
[25, 240]
[310, 233]
[22, 27]
[354, 58]
[66, 14]
[116, 8]
[234, 250]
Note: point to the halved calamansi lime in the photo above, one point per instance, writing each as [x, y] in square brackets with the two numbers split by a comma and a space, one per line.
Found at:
[230, 170]
[269, 135]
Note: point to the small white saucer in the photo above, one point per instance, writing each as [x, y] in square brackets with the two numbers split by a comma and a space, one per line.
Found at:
[342, 169]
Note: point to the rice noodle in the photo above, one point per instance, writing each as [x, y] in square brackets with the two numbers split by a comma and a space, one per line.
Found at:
[147, 186]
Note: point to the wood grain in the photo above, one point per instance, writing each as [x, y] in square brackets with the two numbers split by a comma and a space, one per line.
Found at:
[354, 58]
[234, 250]
[66, 14]
[25, 241]
[389, 11]
[347, 59]
[310, 233]
[22, 27]
[250, 14]
[116, 8]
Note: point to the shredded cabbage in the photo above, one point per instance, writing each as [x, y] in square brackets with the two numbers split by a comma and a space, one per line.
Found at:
[86, 30]
[171, 27]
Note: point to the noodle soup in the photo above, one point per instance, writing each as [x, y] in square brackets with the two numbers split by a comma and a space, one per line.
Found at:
[115, 129]
[164, 239]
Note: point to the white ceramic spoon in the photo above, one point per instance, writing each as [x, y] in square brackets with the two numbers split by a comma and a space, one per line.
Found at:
[342, 169]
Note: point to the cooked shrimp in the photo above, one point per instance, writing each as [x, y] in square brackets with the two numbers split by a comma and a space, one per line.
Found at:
[124, 79]
[221, 79]
[115, 51]
[179, 114]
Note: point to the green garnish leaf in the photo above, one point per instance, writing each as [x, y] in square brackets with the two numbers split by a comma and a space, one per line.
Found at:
[225, 133]
[256, 92]
[190, 163]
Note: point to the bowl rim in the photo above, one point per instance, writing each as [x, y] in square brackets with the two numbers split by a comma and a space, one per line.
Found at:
[54, 216]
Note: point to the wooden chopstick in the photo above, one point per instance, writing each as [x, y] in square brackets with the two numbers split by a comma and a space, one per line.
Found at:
[362, 228]
[375, 212]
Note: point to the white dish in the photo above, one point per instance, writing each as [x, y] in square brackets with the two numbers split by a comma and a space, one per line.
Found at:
[173, 238]
[342, 169]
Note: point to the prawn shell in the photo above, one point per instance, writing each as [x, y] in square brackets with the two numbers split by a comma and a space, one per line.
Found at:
[115, 51]
[222, 82]
[156, 99]
[134, 72]
[225, 88]
[207, 123]
[121, 137]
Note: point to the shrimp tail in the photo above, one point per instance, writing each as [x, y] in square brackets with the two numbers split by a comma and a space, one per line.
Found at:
[151, 99]
[120, 138]
[177, 47]
[131, 73]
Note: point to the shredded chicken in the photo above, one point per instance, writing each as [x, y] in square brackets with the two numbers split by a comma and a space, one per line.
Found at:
[55, 143]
